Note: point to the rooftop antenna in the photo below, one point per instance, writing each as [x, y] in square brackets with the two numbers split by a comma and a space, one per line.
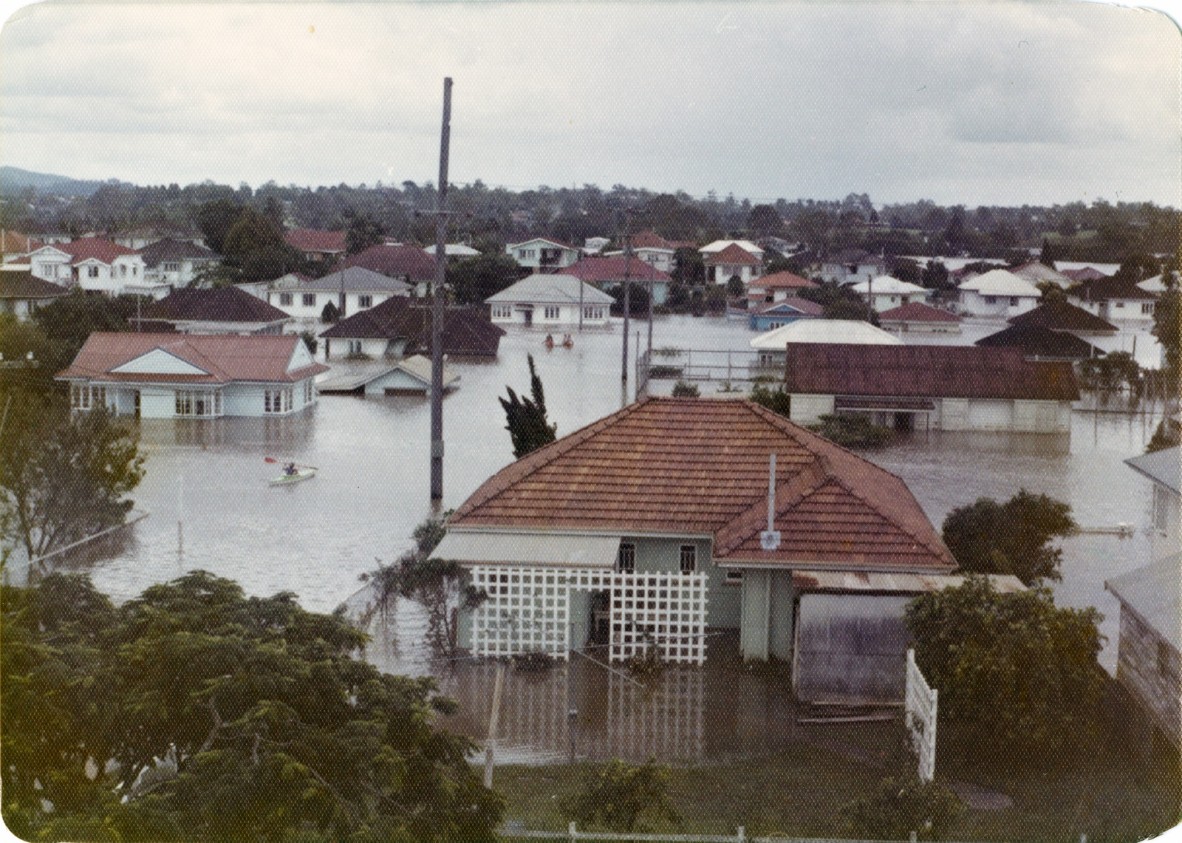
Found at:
[769, 539]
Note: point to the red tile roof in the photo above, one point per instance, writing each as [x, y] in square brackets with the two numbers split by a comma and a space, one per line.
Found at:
[1062, 316]
[926, 371]
[732, 254]
[651, 240]
[97, 248]
[315, 240]
[597, 269]
[917, 312]
[14, 242]
[783, 280]
[396, 262]
[225, 358]
[699, 466]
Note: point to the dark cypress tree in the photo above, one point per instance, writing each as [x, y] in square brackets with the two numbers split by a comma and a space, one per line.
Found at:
[526, 417]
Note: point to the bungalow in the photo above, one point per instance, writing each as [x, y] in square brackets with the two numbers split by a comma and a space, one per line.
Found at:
[1039, 343]
[950, 387]
[21, 292]
[401, 326]
[410, 376]
[348, 290]
[93, 263]
[173, 376]
[410, 263]
[885, 292]
[917, 316]
[639, 533]
[1149, 663]
[776, 287]
[551, 301]
[717, 246]
[543, 255]
[1059, 315]
[176, 263]
[852, 265]
[997, 293]
[317, 245]
[777, 314]
[459, 251]
[1119, 300]
[771, 346]
[608, 272]
[732, 262]
[223, 310]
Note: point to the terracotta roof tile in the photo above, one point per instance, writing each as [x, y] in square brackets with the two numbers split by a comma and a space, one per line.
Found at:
[696, 466]
[732, 254]
[593, 269]
[315, 240]
[783, 280]
[97, 248]
[396, 262]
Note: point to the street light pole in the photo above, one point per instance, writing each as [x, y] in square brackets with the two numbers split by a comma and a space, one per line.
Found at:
[437, 309]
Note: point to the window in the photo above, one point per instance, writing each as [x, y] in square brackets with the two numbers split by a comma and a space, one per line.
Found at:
[277, 401]
[84, 397]
[592, 312]
[285, 299]
[123, 270]
[502, 311]
[550, 312]
[734, 576]
[189, 403]
[626, 560]
[309, 391]
[689, 558]
[365, 301]
[171, 266]
[354, 346]
[92, 272]
[991, 300]
[1147, 309]
[1120, 304]
[1013, 301]
[308, 299]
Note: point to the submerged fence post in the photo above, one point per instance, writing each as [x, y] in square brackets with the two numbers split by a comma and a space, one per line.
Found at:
[571, 831]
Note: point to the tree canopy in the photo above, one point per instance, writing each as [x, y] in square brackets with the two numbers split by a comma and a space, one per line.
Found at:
[220, 717]
[1016, 674]
[1014, 537]
[526, 417]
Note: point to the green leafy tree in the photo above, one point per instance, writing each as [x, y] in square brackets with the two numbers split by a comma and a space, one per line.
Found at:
[1014, 537]
[617, 794]
[735, 287]
[221, 717]
[1167, 327]
[330, 313]
[776, 400]
[901, 805]
[361, 232]
[69, 320]
[764, 220]
[526, 417]
[1017, 676]
[63, 476]
[474, 279]
[215, 219]
[443, 587]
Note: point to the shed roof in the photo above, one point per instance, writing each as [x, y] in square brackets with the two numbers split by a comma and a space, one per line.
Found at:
[824, 331]
[221, 358]
[1154, 592]
[925, 371]
[551, 289]
[1164, 467]
[1063, 316]
[466, 330]
[224, 304]
[700, 467]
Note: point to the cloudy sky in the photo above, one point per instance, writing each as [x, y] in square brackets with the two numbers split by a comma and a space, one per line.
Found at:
[969, 102]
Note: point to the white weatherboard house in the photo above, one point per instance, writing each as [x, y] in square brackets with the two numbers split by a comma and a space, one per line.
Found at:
[543, 255]
[773, 344]
[171, 376]
[550, 301]
[349, 290]
[888, 292]
[997, 293]
[650, 526]
[93, 263]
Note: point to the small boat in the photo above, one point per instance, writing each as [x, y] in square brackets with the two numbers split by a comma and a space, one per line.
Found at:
[303, 472]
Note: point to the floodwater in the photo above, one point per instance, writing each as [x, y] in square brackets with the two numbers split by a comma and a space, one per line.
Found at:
[209, 506]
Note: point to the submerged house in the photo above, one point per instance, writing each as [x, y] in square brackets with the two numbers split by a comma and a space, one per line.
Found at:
[931, 386]
[401, 326]
[170, 376]
[221, 310]
[650, 526]
[551, 301]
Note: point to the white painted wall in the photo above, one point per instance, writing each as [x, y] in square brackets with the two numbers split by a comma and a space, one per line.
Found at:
[974, 304]
[808, 409]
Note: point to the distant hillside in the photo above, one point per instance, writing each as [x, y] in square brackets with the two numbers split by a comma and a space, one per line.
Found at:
[13, 179]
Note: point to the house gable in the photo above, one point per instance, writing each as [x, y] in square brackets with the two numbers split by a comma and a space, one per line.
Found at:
[158, 362]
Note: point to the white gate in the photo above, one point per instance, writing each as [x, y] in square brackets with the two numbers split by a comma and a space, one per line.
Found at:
[921, 703]
[528, 610]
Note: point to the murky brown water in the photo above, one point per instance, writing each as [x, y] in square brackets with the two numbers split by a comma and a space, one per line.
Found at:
[210, 507]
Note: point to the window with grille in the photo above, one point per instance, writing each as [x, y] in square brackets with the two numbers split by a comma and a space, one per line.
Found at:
[309, 299]
[689, 558]
[550, 312]
[626, 560]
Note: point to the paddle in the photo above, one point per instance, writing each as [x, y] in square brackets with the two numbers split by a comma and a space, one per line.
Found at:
[300, 464]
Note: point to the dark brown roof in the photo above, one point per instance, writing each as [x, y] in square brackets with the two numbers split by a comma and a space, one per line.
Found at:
[396, 262]
[1103, 289]
[930, 371]
[699, 466]
[596, 269]
[224, 304]
[24, 285]
[224, 357]
[174, 250]
[467, 331]
[917, 311]
[1062, 316]
[1037, 341]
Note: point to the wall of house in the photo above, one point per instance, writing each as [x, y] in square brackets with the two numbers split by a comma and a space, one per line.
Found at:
[767, 615]
[398, 382]
[808, 409]
[1165, 519]
[377, 348]
[1042, 417]
[974, 303]
[567, 315]
[1149, 667]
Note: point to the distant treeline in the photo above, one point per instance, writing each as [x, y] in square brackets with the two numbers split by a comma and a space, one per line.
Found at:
[491, 216]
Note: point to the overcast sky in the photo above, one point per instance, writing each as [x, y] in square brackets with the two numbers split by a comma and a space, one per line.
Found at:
[975, 103]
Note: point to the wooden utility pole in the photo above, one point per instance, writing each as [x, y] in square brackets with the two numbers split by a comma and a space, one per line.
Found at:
[437, 310]
[627, 299]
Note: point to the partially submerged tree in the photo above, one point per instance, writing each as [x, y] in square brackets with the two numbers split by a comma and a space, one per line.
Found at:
[1017, 676]
[526, 417]
[63, 476]
[1014, 537]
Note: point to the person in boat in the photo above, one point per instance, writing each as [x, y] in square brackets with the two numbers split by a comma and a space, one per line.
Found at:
[290, 469]
[549, 341]
[567, 342]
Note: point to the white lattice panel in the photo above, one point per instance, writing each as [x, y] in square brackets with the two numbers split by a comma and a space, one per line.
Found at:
[922, 703]
[528, 610]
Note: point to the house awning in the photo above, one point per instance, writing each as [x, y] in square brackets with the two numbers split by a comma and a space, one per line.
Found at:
[562, 551]
[892, 404]
[875, 582]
